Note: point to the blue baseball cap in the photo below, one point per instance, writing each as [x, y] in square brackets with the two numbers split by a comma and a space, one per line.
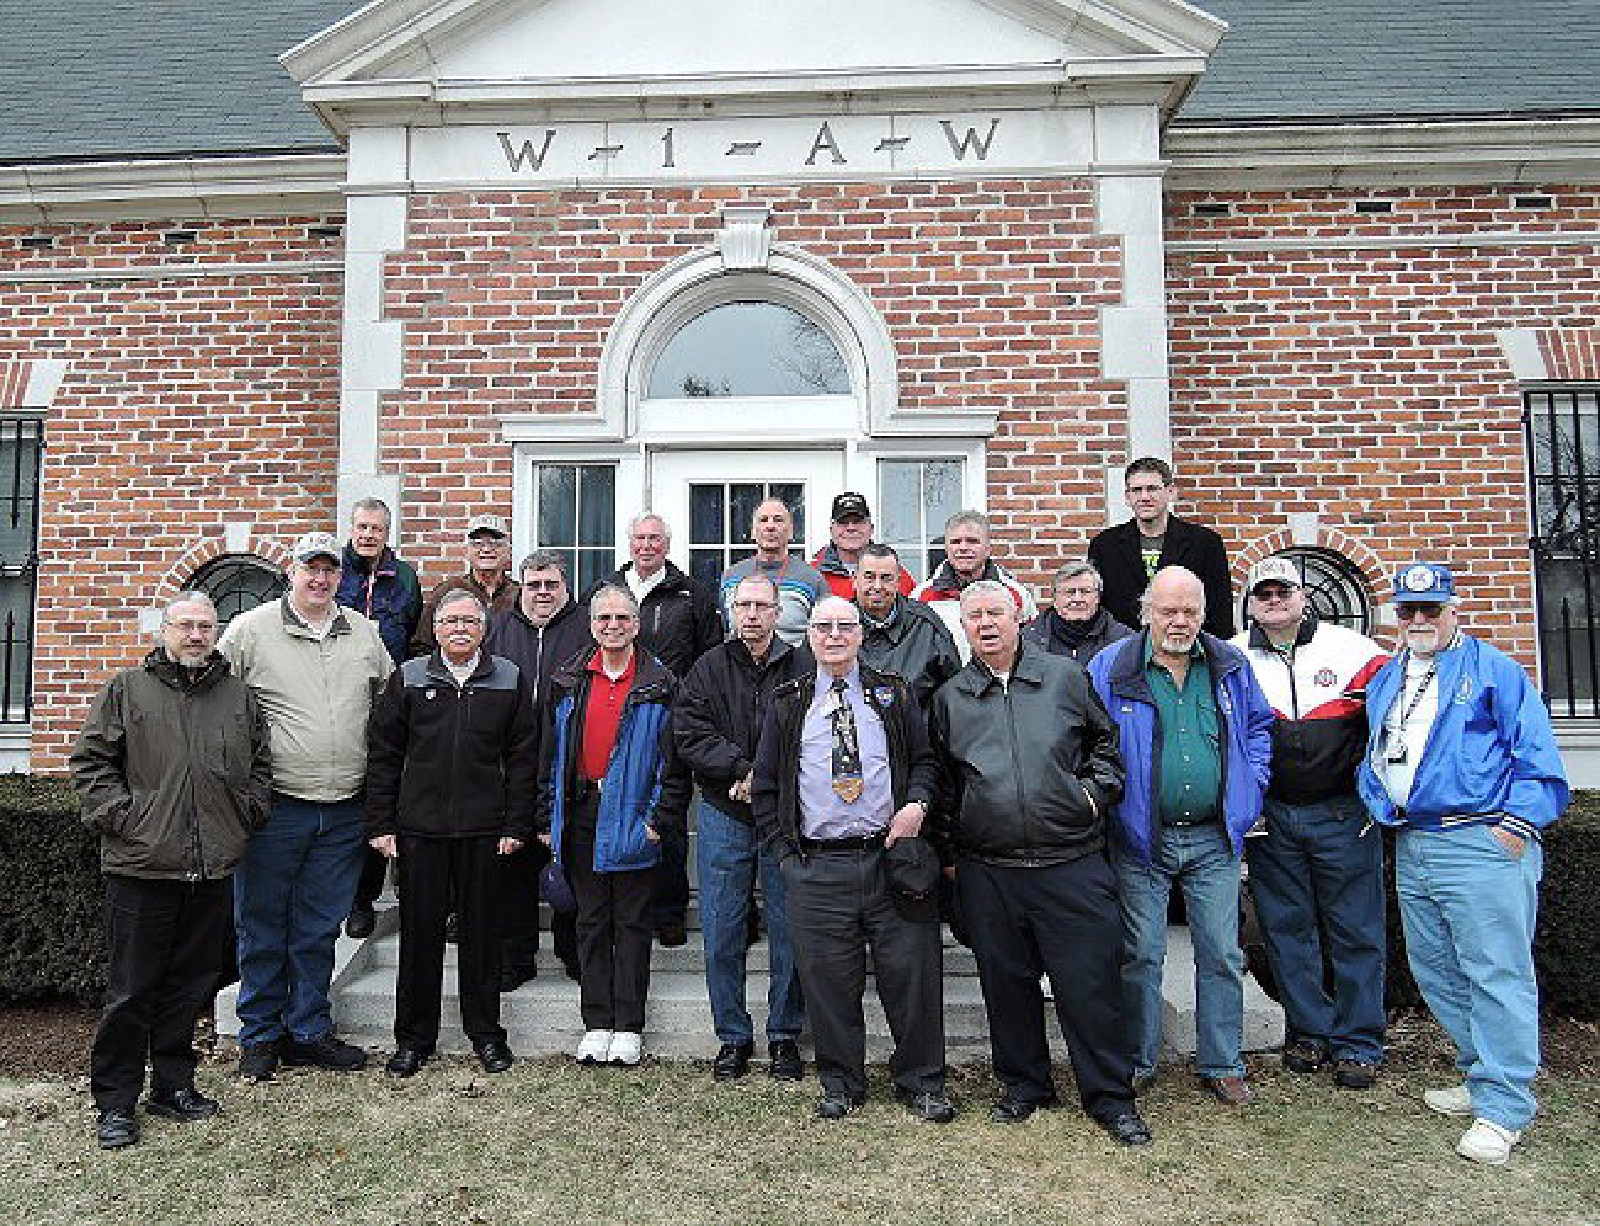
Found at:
[1424, 583]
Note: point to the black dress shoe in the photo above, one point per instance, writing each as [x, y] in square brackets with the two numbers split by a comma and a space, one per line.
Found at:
[183, 1104]
[494, 1055]
[359, 924]
[406, 1062]
[672, 934]
[1128, 1128]
[328, 1052]
[784, 1061]
[1015, 1110]
[732, 1062]
[929, 1105]
[835, 1106]
[116, 1129]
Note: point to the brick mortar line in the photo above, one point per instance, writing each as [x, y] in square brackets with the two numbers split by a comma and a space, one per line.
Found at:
[1355, 242]
[174, 272]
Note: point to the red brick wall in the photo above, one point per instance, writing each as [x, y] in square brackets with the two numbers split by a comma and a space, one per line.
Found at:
[991, 293]
[1368, 385]
[189, 401]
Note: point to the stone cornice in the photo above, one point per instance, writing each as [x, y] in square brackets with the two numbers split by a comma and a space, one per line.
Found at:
[1226, 157]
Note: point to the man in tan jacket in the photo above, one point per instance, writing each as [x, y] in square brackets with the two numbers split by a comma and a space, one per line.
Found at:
[315, 667]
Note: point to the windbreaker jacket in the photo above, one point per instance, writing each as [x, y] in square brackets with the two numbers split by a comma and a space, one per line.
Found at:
[913, 644]
[387, 593]
[449, 761]
[678, 618]
[841, 580]
[775, 792]
[1320, 704]
[1490, 756]
[720, 709]
[174, 775]
[539, 650]
[1079, 641]
[640, 787]
[318, 694]
[1115, 553]
[1118, 674]
[942, 593]
[1021, 763]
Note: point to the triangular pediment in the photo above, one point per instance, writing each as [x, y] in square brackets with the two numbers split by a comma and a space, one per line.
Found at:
[441, 50]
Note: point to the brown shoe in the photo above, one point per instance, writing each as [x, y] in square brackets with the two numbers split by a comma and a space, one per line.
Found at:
[1233, 1091]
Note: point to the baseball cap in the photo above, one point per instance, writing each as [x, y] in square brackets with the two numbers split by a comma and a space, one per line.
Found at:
[1274, 570]
[492, 524]
[1424, 583]
[317, 545]
[849, 505]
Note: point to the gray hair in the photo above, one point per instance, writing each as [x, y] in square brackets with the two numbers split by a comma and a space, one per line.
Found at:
[543, 559]
[460, 595]
[188, 596]
[1178, 572]
[633, 524]
[1073, 569]
[976, 518]
[613, 589]
[371, 504]
[989, 587]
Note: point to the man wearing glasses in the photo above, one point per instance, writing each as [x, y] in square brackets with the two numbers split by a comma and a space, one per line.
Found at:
[1316, 874]
[1077, 626]
[1129, 554]
[1461, 757]
[488, 577]
[716, 722]
[843, 776]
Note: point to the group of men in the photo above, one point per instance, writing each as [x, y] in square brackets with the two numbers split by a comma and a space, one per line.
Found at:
[877, 756]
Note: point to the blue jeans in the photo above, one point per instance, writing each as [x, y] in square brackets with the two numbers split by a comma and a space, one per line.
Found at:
[291, 892]
[1200, 860]
[1317, 881]
[727, 855]
[1468, 910]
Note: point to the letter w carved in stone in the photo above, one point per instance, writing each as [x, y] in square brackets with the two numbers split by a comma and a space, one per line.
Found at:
[971, 142]
[527, 155]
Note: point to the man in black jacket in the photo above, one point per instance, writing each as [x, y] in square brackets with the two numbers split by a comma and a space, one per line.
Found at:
[174, 769]
[545, 630]
[716, 722]
[843, 773]
[678, 623]
[1030, 768]
[1077, 626]
[1129, 554]
[452, 759]
[901, 636]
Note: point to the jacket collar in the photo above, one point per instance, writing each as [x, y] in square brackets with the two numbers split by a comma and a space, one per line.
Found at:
[977, 677]
[296, 625]
[170, 672]
[650, 676]
[1127, 675]
[672, 579]
[945, 578]
[1303, 635]
[354, 563]
[439, 670]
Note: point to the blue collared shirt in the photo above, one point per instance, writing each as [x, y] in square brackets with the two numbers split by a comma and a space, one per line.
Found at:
[824, 814]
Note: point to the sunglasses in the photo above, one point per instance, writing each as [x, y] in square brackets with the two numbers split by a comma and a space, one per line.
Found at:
[1429, 612]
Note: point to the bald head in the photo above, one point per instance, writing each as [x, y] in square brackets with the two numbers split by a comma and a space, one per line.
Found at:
[1173, 607]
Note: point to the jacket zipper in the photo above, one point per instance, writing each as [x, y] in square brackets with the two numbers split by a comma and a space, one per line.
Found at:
[199, 871]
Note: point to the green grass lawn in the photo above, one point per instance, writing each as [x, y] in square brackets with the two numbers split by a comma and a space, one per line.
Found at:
[554, 1144]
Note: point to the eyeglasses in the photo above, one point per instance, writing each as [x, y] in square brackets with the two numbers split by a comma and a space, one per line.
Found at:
[458, 621]
[487, 542]
[611, 617]
[194, 627]
[1141, 491]
[544, 585]
[1083, 592]
[1430, 612]
[747, 606]
[827, 628]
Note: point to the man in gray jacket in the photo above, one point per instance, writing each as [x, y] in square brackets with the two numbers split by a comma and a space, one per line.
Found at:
[1029, 770]
[174, 770]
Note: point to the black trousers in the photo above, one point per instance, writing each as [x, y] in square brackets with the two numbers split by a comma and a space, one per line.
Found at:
[1061, 921]
[438, 877]
[374, 868]
[669, 901]
[614, 931]
[168, 942]
[839, 906]
[517, 911]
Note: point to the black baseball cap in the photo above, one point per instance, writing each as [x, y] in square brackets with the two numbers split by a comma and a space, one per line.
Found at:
[850, 505]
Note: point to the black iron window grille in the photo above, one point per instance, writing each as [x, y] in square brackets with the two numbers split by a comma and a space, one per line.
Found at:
[21, 445]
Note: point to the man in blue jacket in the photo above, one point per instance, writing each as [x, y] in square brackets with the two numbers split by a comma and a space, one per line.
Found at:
[1195, 734]
[1461, 757]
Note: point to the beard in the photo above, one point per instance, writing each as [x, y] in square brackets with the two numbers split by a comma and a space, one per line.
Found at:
[1423, 642]
[1177, 642]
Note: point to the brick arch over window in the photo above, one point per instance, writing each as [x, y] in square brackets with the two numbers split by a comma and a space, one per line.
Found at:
[209, 549]
[1372, 569]
[1571, 355]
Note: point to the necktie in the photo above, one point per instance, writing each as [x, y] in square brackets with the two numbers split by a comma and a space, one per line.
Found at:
[846, 749]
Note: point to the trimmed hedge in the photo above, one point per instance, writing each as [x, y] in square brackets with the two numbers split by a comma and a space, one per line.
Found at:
[52, 925]
[52, 931]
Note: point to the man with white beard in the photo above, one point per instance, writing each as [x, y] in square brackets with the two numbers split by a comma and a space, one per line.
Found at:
[1462, 759]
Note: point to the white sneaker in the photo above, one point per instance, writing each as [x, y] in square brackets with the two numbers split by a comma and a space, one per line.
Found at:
[594, 1045]
[1487, 1142]
[626, 1048]
[1456, 1100]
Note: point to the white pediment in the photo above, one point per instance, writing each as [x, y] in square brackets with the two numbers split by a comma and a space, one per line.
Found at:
[461, 51]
